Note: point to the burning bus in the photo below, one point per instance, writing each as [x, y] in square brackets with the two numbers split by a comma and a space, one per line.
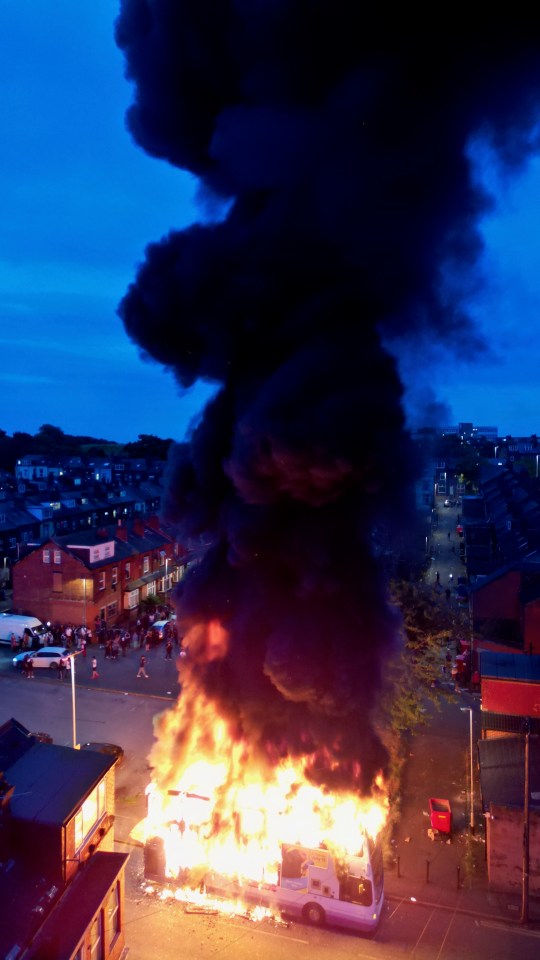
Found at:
[236, 831]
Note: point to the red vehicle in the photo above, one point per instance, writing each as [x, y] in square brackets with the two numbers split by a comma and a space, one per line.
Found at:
[440, 814]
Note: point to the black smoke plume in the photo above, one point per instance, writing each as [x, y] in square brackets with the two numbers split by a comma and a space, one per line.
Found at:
[338, 137]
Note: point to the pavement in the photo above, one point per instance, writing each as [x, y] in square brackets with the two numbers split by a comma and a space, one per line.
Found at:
[448, 871]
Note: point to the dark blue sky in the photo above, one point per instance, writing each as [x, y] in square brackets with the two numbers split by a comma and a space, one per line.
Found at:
[80, 201]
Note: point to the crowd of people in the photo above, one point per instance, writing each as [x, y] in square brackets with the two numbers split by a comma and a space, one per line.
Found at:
[114, 640]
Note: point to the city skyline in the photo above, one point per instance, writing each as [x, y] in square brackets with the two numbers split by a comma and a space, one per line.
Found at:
[81, 201]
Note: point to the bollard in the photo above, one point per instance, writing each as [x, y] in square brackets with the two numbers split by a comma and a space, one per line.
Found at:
[458, 877]
[427, 871]
[398, 870]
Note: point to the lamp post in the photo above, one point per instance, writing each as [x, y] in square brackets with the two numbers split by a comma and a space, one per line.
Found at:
[526, 828]
[469, 710]
[84, 601]
[73, 713]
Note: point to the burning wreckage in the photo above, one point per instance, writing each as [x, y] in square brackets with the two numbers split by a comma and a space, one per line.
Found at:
[263, 837]
[339, 231]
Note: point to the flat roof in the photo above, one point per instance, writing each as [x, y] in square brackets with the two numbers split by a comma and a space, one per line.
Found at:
[62, 931]
[521, 667]
[50, 781]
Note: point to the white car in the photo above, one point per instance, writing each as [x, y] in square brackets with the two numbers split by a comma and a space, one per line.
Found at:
[46, 657]
[159, 626]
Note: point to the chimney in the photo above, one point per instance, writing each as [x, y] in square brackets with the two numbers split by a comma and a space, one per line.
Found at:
[121, 533]
[138, 528]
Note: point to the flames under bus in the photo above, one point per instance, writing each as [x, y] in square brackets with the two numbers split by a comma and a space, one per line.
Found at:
[311, 884]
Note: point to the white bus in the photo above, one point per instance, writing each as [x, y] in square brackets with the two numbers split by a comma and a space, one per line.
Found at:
[311, 884]
[316, 888]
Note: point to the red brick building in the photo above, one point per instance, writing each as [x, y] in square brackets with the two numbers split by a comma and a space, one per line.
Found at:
[97, 574]
[506, 607]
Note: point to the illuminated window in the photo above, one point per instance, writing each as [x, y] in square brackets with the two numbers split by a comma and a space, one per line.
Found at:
[46, 556]
[101, 581]
[127, 571]
[114, 576]
[57, 556]
[151, 589]
[92, 810]
[146, 564]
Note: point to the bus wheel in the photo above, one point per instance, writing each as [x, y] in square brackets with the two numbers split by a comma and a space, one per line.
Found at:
[314, 914]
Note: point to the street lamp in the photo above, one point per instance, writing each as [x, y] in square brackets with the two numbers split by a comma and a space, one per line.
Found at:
[84, 601]
[464, 710]
[73, 716]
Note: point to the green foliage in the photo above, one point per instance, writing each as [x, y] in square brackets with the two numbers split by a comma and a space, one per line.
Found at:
[428, 625]
[148, 447]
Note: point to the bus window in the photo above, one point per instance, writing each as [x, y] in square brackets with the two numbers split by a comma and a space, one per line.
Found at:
[356, 890]
[377, 867]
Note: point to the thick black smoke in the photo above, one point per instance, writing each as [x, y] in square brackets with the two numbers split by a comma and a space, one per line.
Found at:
[341, 143]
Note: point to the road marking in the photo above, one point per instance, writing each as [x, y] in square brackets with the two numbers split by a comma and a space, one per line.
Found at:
[504, 926]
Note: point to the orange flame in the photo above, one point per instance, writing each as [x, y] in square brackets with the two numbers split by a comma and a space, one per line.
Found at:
[218, 807]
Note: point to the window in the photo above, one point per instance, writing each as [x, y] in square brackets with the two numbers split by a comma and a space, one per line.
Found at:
[151, 589]
[95, 554]
[111, 610]
[127, 571]
[132, 599]
[46, 556]
[92, 810]
[112, 914]
[114, 576]
[146, 564]
[57, 557]
[12, 543]
[96, 937]
[101, 581]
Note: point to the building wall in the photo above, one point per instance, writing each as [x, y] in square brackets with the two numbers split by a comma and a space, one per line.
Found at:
[519, 699]
[112, 948]
[504, 840]
[531, 627]
[498, 599]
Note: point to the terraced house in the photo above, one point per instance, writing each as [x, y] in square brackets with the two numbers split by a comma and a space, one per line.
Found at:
[102, 573]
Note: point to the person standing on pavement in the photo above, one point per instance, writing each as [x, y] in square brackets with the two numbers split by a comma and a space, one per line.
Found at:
[142, 667]
[61, 669]
[67, 663]
[168, 649]
[95, 673]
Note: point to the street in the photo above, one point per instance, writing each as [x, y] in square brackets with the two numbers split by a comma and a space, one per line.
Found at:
[163, 928]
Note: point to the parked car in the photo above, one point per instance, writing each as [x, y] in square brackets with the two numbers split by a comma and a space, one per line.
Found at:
[159, 626]
[46, 657]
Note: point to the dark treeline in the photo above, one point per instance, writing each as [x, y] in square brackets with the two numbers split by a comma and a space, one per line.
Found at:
[51, 441]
